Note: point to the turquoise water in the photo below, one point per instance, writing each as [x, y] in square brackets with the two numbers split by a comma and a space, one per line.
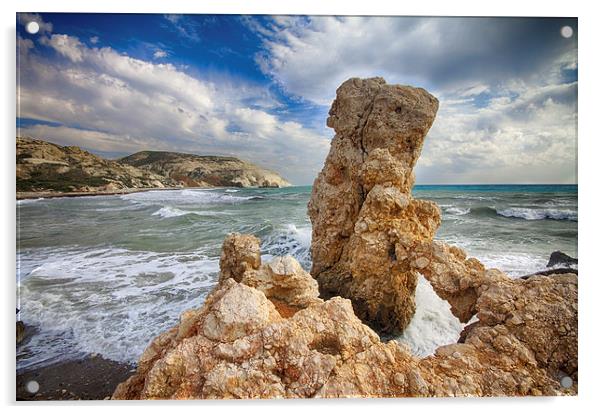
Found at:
[106, 274]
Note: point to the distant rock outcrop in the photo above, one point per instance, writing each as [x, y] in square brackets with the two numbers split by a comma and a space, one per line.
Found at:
[46, 167]
[205, 171]
[361, 207]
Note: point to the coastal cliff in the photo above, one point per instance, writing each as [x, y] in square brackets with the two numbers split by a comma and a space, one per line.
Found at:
[204, 171]
[44, 168]
[268, 330]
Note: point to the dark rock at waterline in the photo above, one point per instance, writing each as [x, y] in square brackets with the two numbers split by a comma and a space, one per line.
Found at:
[559, 258]
[20, 331]
[552, 272]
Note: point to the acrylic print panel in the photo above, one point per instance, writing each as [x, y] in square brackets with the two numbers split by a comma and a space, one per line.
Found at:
[223, 206]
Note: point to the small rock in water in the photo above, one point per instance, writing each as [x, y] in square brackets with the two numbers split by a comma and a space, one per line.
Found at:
[20, 331]
[559, 258]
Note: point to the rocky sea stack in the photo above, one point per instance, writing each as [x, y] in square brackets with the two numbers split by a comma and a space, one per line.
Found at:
[268, 330]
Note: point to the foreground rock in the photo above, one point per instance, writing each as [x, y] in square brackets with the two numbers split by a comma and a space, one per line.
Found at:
[279, 340]
[361, 206]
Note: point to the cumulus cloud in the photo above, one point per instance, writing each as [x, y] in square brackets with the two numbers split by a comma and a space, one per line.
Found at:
[506, 89]
[107, 101]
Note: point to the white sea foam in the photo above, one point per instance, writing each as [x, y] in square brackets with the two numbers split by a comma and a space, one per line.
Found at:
[29, 201]
[537, 214]
[170, 212]
[291, 239]
[457, 211]
[433, 323]
[108, 301]
[232, 190]
[187, 196]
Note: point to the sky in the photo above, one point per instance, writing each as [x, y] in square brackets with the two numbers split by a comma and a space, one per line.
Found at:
[260, 87]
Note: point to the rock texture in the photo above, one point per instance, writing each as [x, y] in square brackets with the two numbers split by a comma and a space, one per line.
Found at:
[205, 171]
[43, 167]
[264, 332]
[560, 258]
[361, 206]
[279, 340]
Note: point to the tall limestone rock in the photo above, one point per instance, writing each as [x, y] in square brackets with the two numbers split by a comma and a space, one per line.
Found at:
[263, 332]
[361, 206]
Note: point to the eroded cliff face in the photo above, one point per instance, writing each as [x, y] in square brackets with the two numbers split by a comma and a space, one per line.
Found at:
[361, 206]
[264, 332]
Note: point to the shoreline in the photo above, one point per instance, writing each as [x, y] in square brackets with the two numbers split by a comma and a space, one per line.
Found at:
[29, 195]
[89, 378]
[32, 195]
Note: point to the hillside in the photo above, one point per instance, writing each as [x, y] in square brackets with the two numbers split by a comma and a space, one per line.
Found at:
[205, 171]
[44, 167]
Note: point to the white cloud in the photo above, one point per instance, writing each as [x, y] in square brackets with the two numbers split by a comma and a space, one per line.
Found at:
[94, 40]
[184, 27]
[506, 112]
[159, 54]
[107, 101]
[67, 46]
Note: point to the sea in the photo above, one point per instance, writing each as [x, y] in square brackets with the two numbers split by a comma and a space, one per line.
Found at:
[106, 274]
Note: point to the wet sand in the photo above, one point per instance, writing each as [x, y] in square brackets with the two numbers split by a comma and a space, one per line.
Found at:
[90, 378]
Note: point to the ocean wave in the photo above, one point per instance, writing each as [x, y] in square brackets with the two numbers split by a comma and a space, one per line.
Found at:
[29, 201]
[457, 211]
[170, 212]
[537, 214]
[108, 301]
[290, 239]
[183, 197]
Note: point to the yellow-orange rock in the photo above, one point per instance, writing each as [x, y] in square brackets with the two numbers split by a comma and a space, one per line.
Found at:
[361, 202]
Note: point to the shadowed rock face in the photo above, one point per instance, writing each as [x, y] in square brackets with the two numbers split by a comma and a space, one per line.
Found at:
[361, 205]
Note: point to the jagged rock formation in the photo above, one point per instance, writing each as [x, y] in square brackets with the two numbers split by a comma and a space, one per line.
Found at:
[279, 340]
[43, 166]
[205, 171]
[263, 332]
[560, 258]
[361, 206]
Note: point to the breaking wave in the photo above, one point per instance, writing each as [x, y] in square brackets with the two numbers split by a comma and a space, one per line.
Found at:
[537, 214]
